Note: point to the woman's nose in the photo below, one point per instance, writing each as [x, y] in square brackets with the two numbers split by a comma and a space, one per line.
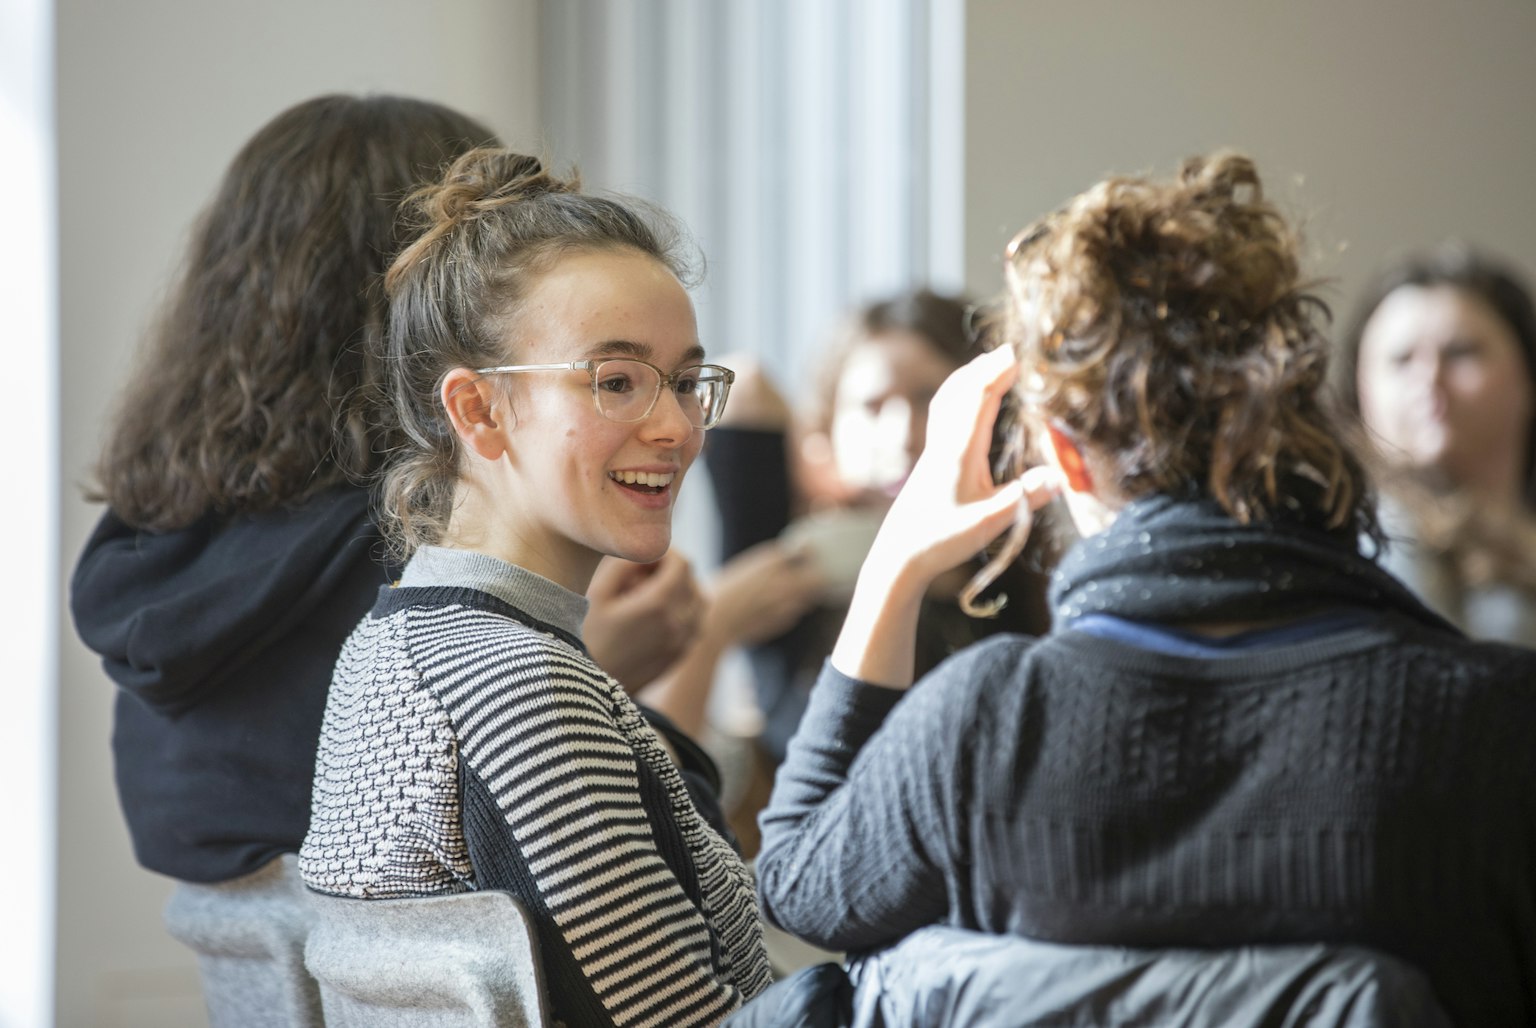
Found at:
[667, 421]
[1424, 370]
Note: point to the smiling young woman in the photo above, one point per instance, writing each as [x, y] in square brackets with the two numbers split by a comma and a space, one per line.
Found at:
[545, 370]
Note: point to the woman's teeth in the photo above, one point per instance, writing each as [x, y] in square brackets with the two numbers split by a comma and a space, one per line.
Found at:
[652, 479]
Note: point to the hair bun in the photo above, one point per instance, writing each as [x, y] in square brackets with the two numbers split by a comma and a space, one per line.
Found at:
[483, 180]
[1221, 174]
[477, 183]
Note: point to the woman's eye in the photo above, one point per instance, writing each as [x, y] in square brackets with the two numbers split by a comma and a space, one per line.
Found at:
[615, 384]
[687, 385]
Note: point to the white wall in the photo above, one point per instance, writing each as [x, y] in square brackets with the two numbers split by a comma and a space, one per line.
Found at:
[794, 138]
[154, 97]
[1387, 124]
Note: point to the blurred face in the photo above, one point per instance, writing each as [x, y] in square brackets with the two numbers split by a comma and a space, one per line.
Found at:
[579, 485]
[1443, 386]
[880, 412]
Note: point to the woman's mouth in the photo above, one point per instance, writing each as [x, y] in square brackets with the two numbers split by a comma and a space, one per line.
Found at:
[648, 482]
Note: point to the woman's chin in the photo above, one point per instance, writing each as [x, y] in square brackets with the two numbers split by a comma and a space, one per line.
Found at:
[643, 551]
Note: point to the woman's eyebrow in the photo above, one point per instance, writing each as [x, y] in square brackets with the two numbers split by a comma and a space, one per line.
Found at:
[642, 351]
[620, 348]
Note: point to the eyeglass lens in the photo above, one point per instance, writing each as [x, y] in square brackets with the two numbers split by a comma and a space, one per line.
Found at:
[626, 391]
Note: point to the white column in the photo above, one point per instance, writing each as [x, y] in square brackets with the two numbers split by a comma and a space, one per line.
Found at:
[29, 288]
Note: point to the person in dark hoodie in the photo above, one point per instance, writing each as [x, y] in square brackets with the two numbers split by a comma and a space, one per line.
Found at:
[237, 550]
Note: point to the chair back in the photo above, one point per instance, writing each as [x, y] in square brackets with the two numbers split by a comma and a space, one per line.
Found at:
[249, 937]
[466, 960]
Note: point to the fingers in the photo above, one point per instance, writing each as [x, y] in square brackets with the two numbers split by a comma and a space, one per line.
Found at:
[761, 592]
[615, 576]
[674, 593]
[964, 409]
[1041, 485]
[671, 578]
[605, 580]
[1014, 502]
[665, 591]
[642, 616]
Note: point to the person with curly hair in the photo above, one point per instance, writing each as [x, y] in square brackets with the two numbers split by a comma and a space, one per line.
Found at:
[1240, 730]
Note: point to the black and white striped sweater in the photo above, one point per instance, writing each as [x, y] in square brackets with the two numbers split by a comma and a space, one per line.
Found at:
[469, 742]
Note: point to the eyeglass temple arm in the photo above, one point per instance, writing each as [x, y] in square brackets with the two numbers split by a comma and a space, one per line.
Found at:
[507, 369]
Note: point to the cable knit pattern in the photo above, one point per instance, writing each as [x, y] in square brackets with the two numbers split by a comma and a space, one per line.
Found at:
[1372, 784]
[441, 682]
[1375, 787]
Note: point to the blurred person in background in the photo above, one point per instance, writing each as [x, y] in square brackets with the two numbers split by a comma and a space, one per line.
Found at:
[1440, 367]
[810, 492]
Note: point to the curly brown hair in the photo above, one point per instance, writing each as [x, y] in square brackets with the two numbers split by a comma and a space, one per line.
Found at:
[252, 392]
[1164, 326]
[487, 230]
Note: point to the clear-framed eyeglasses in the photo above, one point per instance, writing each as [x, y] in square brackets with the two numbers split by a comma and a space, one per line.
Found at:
[626, 390]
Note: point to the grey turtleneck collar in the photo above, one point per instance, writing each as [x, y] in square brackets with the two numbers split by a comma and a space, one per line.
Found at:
[535, 595]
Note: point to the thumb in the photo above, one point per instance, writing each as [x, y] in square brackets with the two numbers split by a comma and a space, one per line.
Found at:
[1041, 484]
[615, 577]
[1001, 505]
[662, 576]
[1033, 489]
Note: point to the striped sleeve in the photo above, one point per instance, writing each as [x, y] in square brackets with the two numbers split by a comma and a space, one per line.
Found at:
[536, 722]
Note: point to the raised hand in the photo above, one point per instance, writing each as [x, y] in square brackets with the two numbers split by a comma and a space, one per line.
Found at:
[947, 511]
[641, 616]
[760, 593]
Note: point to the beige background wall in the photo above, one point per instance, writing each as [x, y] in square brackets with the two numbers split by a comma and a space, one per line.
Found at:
[154, 97]
[1388, 124]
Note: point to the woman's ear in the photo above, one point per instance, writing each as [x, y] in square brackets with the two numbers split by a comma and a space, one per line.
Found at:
[469, 400]
[1070, 460]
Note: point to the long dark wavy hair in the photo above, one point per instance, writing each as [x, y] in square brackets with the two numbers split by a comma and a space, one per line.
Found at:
[253, 390]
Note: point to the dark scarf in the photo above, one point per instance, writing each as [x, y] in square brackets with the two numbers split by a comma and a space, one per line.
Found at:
[1166, 560]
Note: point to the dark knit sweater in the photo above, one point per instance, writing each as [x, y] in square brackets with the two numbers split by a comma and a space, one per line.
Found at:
[470, 742]
[1376, 786]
